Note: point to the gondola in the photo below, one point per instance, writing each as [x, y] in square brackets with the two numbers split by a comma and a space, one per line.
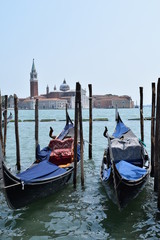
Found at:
[51, 171]
[125, 167]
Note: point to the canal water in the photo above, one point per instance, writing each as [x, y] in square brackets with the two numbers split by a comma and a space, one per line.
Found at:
[82, 213]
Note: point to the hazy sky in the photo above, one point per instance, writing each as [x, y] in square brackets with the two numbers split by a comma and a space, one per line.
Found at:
[112, 44]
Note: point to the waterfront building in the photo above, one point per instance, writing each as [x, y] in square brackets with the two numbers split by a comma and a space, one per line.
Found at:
[112, 101]
[49, 103]
[56, 99]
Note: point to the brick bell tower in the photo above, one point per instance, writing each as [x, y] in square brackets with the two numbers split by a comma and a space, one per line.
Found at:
[33, 82]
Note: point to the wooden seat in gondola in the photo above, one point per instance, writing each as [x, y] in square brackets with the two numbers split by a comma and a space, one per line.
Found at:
[62, 151]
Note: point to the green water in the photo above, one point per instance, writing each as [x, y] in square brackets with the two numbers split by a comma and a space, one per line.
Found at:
[82, 213]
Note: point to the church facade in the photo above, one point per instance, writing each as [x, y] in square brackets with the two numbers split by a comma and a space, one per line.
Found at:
[56, 99]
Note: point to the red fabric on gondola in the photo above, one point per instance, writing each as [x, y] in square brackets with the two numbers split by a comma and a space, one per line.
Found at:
[59, 144]
[62, 151]
[61, 156]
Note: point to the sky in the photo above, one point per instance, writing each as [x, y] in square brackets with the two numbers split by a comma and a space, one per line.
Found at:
[113, 45]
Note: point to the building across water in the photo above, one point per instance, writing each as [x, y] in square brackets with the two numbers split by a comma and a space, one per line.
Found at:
[57, 99]
[112, 101]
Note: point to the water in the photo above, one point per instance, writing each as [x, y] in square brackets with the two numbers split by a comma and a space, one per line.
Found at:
[82, 213]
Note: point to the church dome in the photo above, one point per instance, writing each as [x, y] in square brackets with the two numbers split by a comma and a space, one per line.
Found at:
[64, 86]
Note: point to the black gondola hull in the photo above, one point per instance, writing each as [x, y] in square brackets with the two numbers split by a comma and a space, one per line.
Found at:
[19, 195]
[126, 166]
[125, 190]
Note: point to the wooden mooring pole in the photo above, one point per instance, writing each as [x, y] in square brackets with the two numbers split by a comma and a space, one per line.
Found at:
[90, 120]
[157, 139]
[1, 170]
[157, 148]
[76, 134]
[5, 122]
[1, 134]
[141, 114]
[17, 132]
[153, 128]
[81, 138]
[36, 126]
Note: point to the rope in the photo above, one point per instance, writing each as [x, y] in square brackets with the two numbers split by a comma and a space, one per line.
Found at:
[13, 185]
[88, 142]
[92, 144]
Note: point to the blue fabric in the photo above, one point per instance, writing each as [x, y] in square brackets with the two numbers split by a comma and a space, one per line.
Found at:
[43, 154]
[127, 171]
[78, 152]
[40, 171]
[106, 173]
[120, 130]
[65, 131]
[136, 162]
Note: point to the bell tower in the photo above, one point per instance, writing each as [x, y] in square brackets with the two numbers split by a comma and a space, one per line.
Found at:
[47, 90]
[33, 82]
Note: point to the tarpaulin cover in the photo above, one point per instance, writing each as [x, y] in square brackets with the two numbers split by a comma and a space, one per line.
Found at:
[127, 149]
[120, 130]
[40, 171]
[43, 154]
[127, 171]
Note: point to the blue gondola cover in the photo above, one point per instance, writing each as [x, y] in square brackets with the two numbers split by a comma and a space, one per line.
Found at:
[65, 131]
[40, 171]
[43, 154]
[120, 130]
[127, 171]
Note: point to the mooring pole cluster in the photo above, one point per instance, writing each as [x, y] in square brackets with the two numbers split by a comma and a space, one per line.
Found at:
[3, 137]
[157, 147]
[155, 139]
[155, 135]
